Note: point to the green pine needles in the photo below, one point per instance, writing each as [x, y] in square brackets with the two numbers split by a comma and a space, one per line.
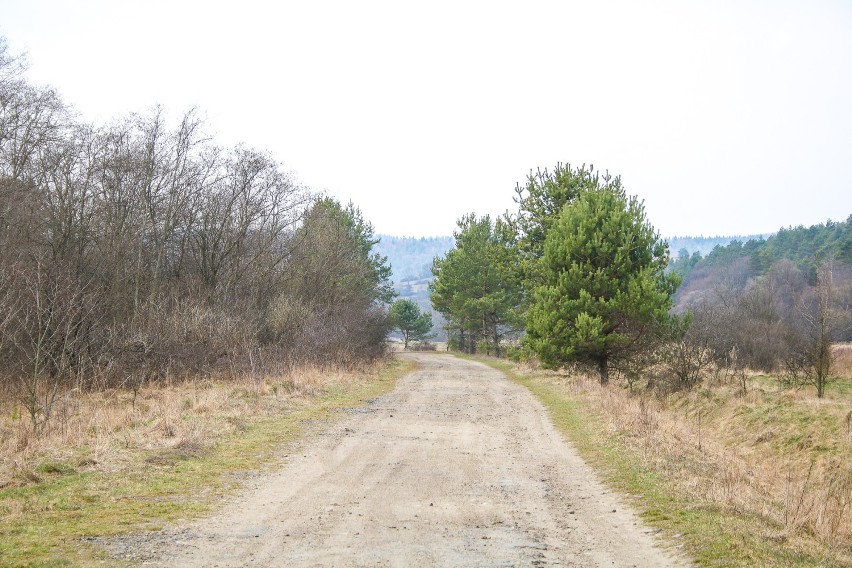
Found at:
[605, 295]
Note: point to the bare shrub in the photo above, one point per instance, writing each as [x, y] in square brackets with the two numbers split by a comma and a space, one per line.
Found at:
[687, 353]
[814, 325]
[49, 343]
[771, 322]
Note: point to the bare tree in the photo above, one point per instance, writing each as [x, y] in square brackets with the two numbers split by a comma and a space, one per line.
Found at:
[810, 357]
[51, 323]
[138, 249]
[246, 216]
[687, 353]
[31, 118]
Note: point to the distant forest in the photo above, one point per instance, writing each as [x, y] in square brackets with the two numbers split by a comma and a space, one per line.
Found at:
[805, 247]
[704, 245]
[411, 257]
[705, 263]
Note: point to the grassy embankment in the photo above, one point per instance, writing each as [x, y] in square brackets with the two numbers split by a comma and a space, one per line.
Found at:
[756, 479]
[110, 464]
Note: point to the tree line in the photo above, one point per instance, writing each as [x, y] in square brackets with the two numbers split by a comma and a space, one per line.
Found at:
[577, 275]
[777, 304]
[142, 251]
[806, 247]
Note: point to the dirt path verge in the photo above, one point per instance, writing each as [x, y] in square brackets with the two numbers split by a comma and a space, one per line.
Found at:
[457, 467]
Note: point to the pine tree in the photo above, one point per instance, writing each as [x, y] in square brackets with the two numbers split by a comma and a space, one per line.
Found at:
[541, 200]
[413, 324]
[476, 287]
[605, 290]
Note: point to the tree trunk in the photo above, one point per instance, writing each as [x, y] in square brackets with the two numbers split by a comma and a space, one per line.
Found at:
[603, 369]
[496, 338]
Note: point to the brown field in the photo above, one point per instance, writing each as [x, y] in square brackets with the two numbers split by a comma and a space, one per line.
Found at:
[109, 462]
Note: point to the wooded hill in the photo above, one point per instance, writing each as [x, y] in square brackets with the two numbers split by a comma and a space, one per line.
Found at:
[740, 264]
[704, 245]
[759, 299]
[410, 258]
[806, 247]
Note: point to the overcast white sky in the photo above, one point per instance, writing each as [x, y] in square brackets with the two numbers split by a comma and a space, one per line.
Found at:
[725, 117]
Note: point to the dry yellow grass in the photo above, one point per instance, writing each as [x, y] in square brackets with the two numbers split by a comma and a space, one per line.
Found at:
[842, 366]
[100, 430]
[108, 463]
[780, 461]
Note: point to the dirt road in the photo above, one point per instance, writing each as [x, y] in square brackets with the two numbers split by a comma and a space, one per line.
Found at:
[457, 467]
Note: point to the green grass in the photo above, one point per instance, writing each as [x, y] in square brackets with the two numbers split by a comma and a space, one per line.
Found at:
[46, 523]
[837, 388]
[840, 387]
[710, 535]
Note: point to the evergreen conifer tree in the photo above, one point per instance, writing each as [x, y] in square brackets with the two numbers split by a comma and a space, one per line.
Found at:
[605, 291]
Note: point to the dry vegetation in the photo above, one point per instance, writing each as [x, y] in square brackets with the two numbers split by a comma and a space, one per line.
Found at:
[140, 251]
[168, 306]
[113, 461]
[105, 431]
[761, 478]
[843, 360]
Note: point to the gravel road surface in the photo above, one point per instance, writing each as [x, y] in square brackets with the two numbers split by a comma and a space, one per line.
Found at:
[456, 467]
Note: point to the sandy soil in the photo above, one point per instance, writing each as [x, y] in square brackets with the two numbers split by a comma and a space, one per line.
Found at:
[457, 467]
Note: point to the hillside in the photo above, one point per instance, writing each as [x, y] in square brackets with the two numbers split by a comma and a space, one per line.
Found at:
[776, 304]
[410, 259]
[742, 261]
[704, 245]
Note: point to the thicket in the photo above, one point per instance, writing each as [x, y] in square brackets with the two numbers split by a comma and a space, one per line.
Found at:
[141, 251]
